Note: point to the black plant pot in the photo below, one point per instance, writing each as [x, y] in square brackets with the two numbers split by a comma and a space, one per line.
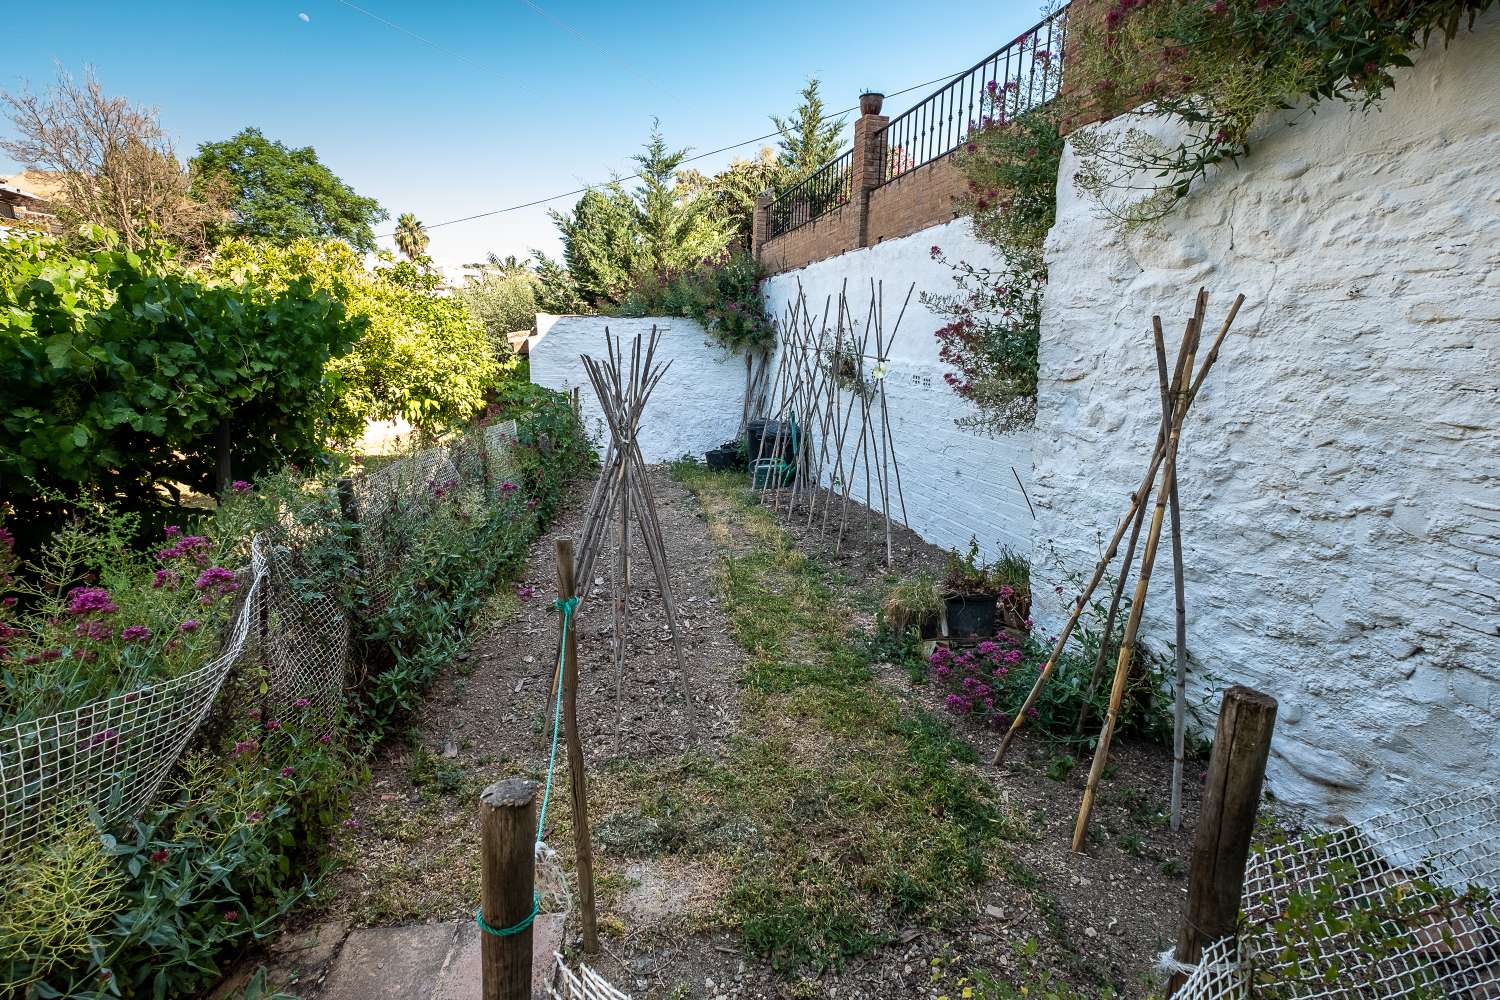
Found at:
[970, 615]
[930, 626]
[720, 459]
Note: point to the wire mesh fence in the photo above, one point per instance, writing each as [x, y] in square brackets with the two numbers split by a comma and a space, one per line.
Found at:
[295, 623]
[1407, 905]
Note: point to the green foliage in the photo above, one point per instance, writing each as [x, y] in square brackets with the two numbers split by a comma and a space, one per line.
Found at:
[150, 906]
[599, 244]
[731, 193]
[422, 356]
[557, 290]
[411, 238]
[147, 908]
[1219, 71]
[994, 318]
[454, 553]
[615, 238]
[503, 301]
[723, 294]
[282, 194]
[118, 368]
[809, 138]
[967, 573]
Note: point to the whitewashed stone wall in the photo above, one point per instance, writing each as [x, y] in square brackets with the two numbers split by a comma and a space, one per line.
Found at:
[696, 407]
[957, 483]
[1341, 473]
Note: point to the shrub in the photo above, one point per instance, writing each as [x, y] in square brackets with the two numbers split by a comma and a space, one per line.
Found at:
[502, 301]
[723, 294]
[140, 364]
[422, 356]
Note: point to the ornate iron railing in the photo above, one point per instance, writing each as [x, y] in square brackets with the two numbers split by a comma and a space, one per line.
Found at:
[1021, 75]
[826, 189]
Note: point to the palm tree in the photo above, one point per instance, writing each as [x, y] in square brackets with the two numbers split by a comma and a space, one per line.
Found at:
[411, 238]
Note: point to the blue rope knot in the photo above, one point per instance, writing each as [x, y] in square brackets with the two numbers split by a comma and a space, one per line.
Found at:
[516, 928]
[566, 607]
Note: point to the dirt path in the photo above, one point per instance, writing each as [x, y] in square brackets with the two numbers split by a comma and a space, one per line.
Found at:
[411, 857]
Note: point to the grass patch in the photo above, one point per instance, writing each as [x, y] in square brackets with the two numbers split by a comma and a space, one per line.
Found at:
[843, 815]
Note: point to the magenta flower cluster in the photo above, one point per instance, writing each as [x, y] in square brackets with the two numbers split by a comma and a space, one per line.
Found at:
[980, 681]
[89, 601]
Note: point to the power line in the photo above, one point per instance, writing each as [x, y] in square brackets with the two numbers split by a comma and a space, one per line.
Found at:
[631, 177]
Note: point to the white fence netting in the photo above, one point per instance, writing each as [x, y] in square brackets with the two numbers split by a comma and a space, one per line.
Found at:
[1407, 905]
[115, 755]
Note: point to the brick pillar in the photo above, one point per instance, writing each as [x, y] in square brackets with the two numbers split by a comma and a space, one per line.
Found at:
[866, 170]
[760, 225]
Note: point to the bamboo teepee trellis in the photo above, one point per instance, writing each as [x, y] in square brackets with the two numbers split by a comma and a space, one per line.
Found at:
[624, 486]
[1177, 395]
[828, 398]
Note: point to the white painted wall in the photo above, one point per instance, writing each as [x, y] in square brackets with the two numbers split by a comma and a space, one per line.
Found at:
[957, 483]
[1341, 473]
[696, 407]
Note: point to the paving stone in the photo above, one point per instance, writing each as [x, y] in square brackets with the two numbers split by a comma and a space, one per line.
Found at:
[395, 963]
[461, 979]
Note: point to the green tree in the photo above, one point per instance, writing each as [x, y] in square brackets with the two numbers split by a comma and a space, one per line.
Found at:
[283, 194]
[809, 138]
[731, 193]
[675, 231]
[503, 299]
[118, 368]
[601, 248]
[411, 238]
[557, 292]
[422, 356]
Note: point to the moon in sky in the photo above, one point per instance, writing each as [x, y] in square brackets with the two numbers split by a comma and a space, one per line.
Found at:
[303, 18]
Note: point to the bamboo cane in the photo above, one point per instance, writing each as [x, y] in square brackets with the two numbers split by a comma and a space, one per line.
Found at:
[1142, 584]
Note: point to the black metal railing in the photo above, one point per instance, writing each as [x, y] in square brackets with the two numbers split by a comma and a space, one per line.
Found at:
[1023, 74]
[826, 189]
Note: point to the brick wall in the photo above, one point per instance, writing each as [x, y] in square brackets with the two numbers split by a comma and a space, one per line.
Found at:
[915, 201]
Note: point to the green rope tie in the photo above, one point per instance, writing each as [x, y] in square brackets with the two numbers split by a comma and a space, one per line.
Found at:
[566, 607]
[516, 928]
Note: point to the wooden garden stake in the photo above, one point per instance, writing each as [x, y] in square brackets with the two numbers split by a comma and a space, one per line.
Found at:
[1143, 582]
[1231, 797]
[578, 779]
[1179, 701]
[507, 826]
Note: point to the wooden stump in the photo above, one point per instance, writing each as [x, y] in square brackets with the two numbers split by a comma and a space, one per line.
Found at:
[507, 821]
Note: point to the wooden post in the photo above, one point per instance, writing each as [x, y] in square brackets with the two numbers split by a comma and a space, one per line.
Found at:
[1226, 824]
[507, 823]
[579, 781]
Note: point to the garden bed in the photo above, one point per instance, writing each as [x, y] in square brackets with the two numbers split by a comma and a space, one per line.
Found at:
[822, 828]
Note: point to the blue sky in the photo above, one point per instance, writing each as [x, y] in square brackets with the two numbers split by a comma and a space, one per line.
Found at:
[505, 102]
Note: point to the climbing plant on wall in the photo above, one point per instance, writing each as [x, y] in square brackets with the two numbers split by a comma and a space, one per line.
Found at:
[1214, 72]
[994, 316]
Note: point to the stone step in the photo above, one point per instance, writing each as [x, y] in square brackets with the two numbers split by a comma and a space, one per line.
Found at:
[428, 962]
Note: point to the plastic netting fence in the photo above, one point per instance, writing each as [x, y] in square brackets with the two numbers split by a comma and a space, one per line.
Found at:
[114, 755]
[1407, 905]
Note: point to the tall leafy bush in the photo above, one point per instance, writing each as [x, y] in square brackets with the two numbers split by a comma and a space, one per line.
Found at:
[118, 368]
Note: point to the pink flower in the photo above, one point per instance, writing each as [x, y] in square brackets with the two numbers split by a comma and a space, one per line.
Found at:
[246, 746]
[936, 252]
[9, 602]
[172, 531]
[98, 631]
[273, 724]
[240, 486]
[191, 625]
[301, 703]
[159, 855]
[507, 487]
[135, 633]
[166, 578]
[231, 916]
[325, 738]
[287, 772]
[217, 579]
[88, 600]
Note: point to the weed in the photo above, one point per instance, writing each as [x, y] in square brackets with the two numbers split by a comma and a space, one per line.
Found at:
[428, 770]
[1060, 766]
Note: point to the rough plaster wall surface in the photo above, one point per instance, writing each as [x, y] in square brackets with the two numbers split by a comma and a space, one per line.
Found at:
[696, 407]
[957, 483]
[1341, 473]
